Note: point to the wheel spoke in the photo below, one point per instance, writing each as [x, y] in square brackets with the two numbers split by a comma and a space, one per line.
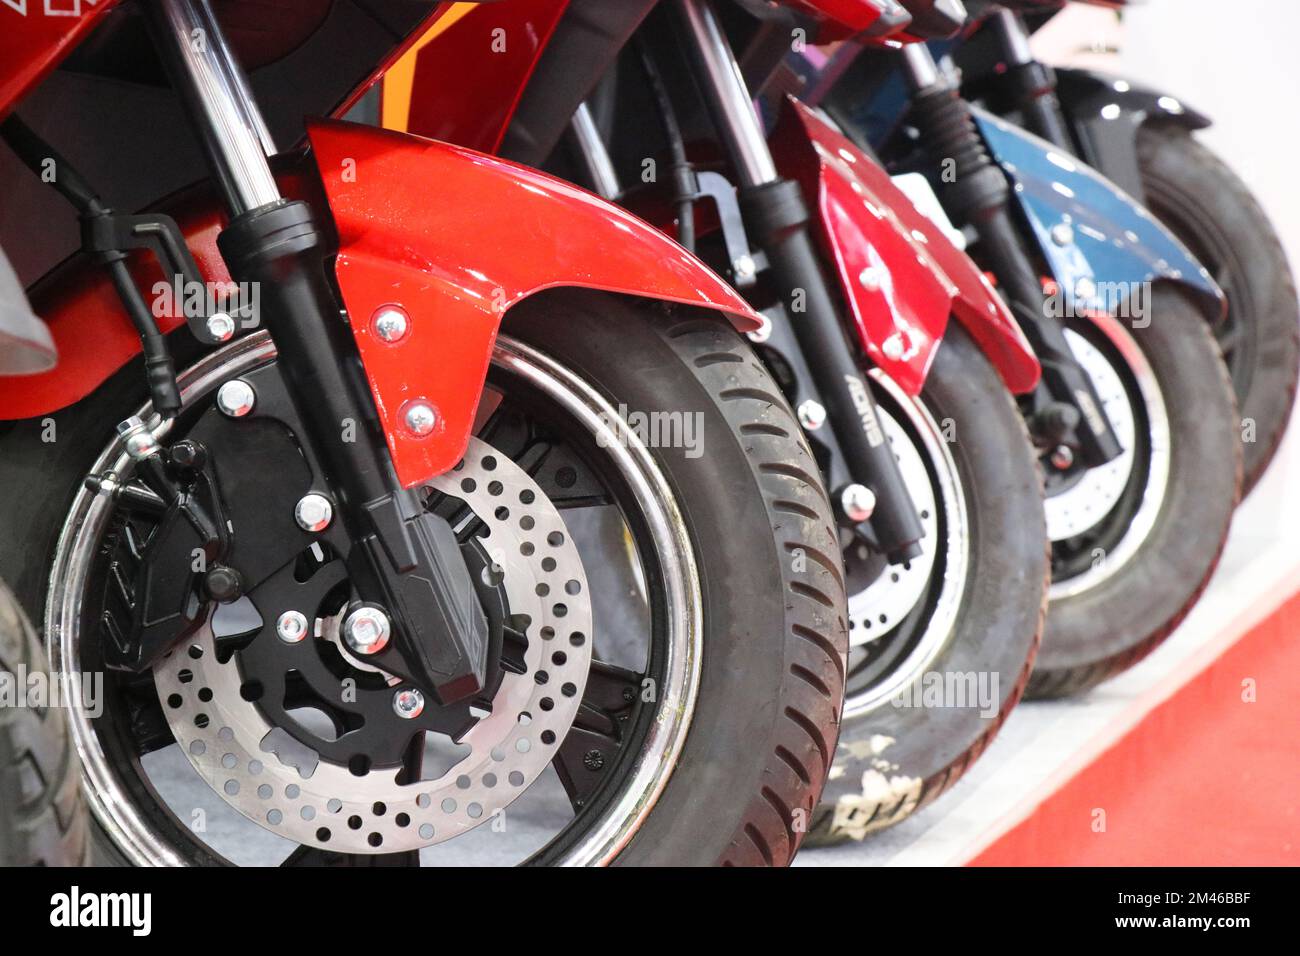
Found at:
[599, 730]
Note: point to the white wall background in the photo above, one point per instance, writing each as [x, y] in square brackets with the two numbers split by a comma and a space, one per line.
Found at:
[1238, 62]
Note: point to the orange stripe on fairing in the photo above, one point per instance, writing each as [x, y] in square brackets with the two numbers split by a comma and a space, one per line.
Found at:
[1206, 778]
[399, 81]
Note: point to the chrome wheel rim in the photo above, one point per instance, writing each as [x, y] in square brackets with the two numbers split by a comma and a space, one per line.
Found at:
[1093, 499]
[932, 477]
[605, 835]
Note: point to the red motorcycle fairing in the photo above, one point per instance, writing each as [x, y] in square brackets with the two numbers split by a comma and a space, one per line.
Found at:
[491, 49]
[899, 274]
[451, 236]
[35, 35]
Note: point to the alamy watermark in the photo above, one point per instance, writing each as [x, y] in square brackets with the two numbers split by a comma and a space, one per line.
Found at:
[37, 689]
[660, 429]
[188, 299]
[962, 690]
[1123, 300]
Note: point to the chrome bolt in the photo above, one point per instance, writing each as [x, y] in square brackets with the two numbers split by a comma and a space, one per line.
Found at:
[744, 267]
[291, 626]
[313, 512]
[137, 438]
[221, 326]
[390, 323]
[870, 279]
[811, 415]
[408, 703]
[236, 398]
[420, 418]
[858, 502]
[366, 630]
[1062, 234]
[1062, 457]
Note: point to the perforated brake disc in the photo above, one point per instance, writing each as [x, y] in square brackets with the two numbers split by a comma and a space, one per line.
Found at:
[1083, 504]
[314, 802]
[878, 608]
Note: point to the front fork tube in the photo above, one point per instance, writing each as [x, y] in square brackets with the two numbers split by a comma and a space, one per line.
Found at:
[979, 194]
[777, 219]
[273, 242]
[278, 245]
[1033, 81]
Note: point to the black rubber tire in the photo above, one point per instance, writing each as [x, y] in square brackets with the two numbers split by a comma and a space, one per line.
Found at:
[1094, 635]
[1001, 612]
[42, 811]
[767, 717]
[1211, 210]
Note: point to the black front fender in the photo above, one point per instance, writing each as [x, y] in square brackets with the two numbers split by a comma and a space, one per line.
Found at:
[1105, 113]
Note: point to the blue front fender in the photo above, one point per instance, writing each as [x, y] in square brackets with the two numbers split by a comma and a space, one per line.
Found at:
[1113, 246]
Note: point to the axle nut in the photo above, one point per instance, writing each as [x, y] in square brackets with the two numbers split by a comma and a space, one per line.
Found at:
[812, 415]
[366, 630]
[857, 502]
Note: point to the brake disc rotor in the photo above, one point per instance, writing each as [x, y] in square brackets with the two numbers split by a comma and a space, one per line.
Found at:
[883, 604]
[1082, 505]
[269, 779]
[879, 613]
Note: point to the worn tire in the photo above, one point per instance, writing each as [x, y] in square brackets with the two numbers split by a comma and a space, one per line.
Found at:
[42, 813]
[1210, 209]
[1000, 620]
[1094, 635]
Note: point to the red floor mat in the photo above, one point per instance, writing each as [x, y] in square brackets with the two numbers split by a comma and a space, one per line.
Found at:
[1206, 778]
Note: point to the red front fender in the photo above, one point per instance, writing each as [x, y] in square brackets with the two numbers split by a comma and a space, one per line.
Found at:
[900, 275]
[453, 237]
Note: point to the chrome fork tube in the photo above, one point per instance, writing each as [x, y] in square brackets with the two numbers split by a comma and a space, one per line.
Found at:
[1014, 37]
[920, 68]
[595, 156]
[727, 96]
[218, 99]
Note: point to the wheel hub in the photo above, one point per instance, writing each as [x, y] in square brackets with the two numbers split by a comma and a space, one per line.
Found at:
[890, 643]
[275, 779]
[1081, 503]
[875, 608]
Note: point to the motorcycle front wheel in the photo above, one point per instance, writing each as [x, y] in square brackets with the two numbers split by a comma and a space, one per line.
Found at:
[639, 506]
[1134, 541]
[941, 647]
[1211, 210]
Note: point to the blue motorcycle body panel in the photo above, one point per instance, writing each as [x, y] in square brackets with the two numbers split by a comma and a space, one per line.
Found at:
[1113, 247]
